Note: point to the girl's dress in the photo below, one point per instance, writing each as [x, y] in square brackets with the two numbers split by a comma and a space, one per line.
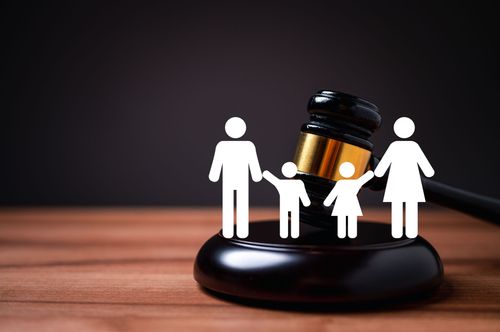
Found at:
[347, 203]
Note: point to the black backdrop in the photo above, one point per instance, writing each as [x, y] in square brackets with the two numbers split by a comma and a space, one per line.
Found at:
[124, 103]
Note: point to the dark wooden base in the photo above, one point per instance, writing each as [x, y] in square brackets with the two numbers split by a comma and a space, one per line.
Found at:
[318, 267]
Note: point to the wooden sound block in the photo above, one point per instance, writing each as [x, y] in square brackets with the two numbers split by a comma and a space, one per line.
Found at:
[318, 267]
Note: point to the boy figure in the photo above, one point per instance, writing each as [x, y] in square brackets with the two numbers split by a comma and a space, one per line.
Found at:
[291, 191]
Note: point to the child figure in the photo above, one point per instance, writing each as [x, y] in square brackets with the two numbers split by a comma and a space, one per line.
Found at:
[291, 191]
[347, 204]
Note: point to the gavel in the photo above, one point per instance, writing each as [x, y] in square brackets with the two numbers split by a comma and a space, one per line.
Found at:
[318, 267]
[339, 130]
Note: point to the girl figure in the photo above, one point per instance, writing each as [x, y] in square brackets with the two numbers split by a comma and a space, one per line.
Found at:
[404, 186]
[347, 207]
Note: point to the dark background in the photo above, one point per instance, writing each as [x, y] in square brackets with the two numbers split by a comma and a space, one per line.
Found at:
[124, 103]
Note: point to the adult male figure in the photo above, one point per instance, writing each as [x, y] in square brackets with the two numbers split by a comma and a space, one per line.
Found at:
[235, 159]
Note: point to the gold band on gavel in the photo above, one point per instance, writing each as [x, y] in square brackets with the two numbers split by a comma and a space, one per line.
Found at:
[322, 156]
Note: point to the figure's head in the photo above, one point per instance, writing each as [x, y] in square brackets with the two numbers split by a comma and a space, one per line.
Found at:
[235, 127]
[346, 169]
[404, 127]
[289, 169]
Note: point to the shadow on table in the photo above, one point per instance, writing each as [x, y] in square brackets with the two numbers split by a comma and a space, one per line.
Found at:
[442, 293]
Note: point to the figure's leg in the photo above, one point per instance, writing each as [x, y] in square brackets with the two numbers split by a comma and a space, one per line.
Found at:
[227, 212]
[352, 226]
[411, 219]
[341, 225]
[283, 223]
[242, 213]
[294, 223]
[397, 219]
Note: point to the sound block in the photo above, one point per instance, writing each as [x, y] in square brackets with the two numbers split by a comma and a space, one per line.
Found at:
[318, 267]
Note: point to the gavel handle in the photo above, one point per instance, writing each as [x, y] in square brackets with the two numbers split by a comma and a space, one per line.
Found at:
[484, 207]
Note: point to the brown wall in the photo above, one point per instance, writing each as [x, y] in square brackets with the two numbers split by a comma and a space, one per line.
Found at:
[124, 104]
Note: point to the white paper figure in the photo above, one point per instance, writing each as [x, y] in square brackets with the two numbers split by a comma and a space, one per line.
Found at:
[404, 185]
[235, 159]
[291, 192]
[346, 206]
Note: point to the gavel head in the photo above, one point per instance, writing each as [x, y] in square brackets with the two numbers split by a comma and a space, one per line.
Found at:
[339, 130]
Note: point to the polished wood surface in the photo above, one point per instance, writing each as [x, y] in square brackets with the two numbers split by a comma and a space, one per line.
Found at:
[131, 270]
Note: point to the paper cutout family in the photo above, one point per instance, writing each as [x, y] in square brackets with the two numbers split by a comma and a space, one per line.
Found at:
[235, 159]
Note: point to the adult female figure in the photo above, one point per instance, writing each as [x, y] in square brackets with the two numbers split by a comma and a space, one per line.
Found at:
[404, 186]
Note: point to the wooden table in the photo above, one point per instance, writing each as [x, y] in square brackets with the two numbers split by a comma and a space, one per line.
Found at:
[131, 269]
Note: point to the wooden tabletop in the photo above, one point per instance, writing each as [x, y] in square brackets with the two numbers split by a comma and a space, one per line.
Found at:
[131, 270]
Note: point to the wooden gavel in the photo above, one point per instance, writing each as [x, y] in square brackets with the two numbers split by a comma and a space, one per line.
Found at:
[339, 130]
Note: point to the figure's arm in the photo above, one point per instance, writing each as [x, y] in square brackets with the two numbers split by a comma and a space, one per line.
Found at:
[424, 164]
[365, 178]
[216, 167]
[331, 197]
[303, 196]
[271, 178]
[384, 163]
[255, 170]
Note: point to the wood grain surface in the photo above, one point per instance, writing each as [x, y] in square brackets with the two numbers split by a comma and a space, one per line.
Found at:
[131, 270]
